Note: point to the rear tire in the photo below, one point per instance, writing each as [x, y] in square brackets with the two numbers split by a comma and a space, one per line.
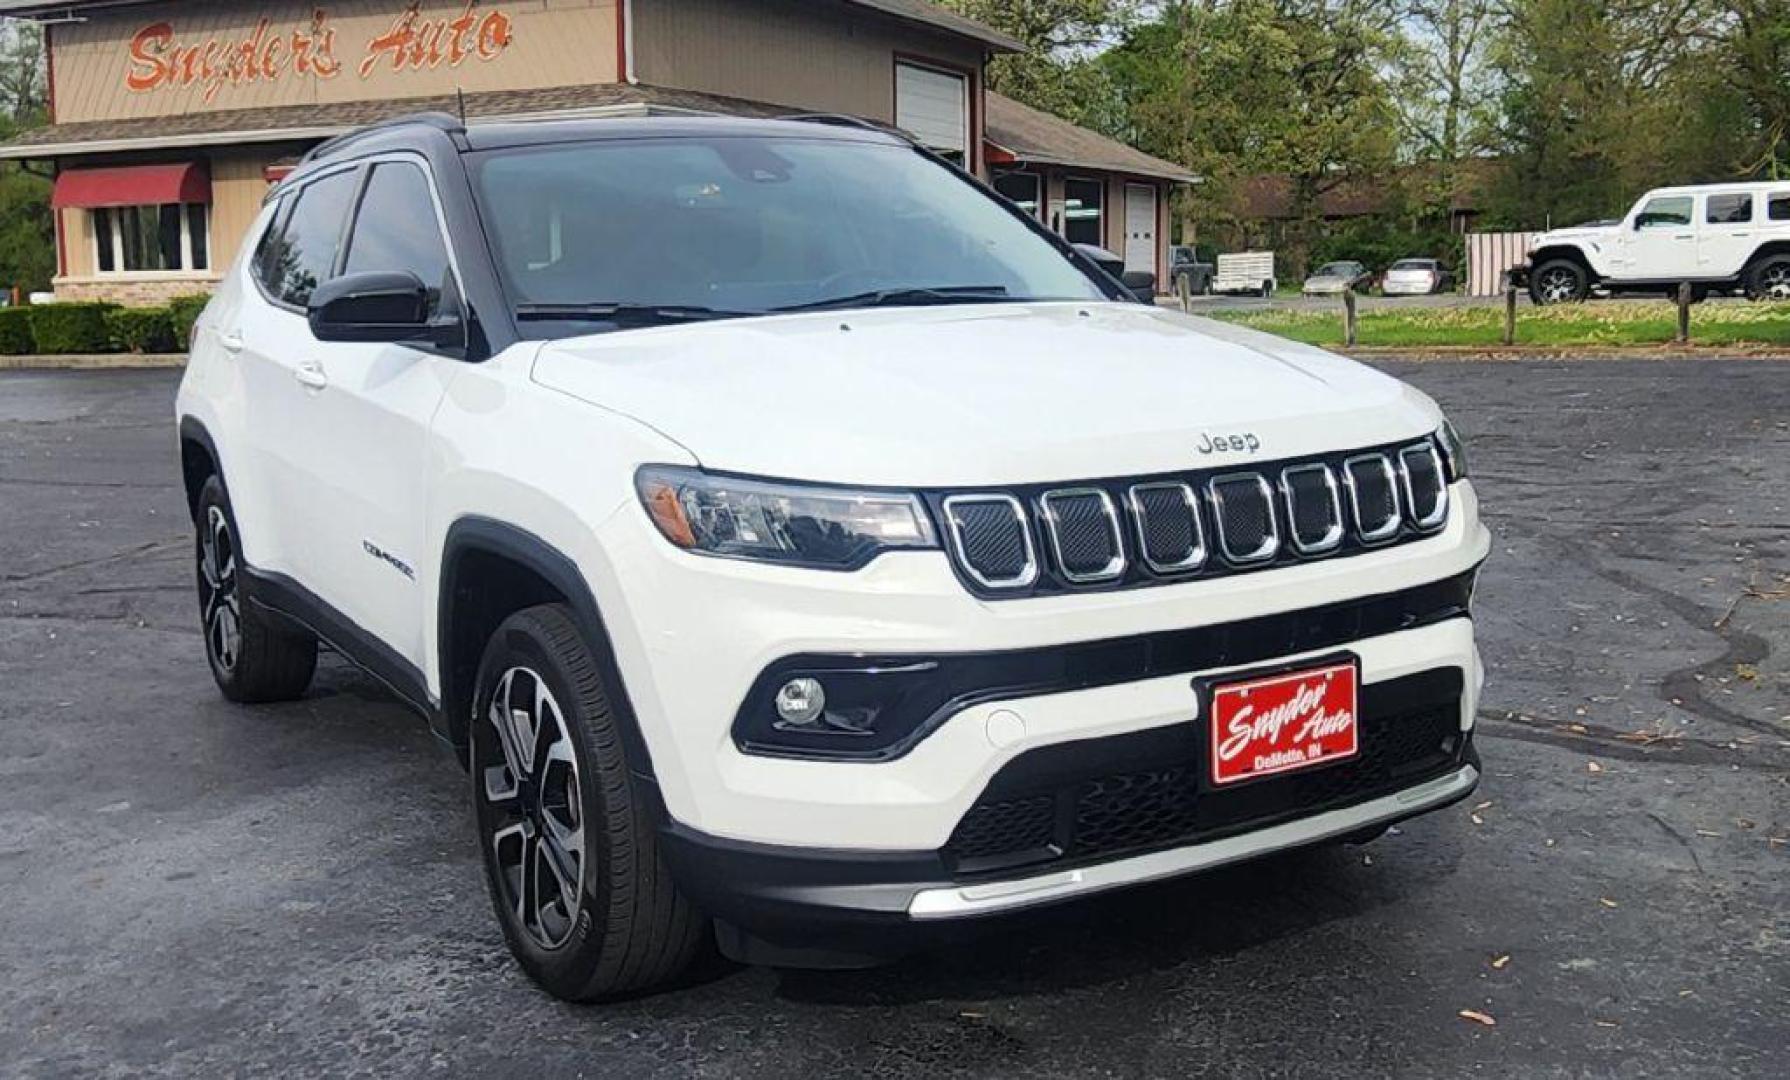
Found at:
[1769, 278]
[255, 657]
[1559, 281]
[571, 853]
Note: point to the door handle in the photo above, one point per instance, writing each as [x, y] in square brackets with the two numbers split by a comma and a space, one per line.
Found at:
[231, 341]
[311, 375]
[1684, 236]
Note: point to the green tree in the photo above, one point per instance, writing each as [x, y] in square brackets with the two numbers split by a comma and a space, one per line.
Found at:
[27, 235]
[1240, 88]
[1056, 73]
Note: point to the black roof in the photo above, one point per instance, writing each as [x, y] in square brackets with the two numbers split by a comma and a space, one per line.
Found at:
[416, 130]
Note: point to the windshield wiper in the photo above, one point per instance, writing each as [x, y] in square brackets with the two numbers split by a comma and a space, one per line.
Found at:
[631, 312]
[939, 294]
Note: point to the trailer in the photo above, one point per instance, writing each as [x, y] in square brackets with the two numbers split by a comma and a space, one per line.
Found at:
[1248, 272]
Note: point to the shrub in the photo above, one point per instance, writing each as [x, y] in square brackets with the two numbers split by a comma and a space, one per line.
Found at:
[141, 330]
[184, 312]
[71, 327]
[15, 332]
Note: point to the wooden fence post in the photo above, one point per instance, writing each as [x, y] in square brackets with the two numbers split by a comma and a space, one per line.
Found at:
[1684, 313]
[1510, 312]
[1349, 328]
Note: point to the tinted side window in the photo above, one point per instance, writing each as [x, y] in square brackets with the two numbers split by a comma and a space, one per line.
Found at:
[1777, 206]
[1729, 209]
[1667, 211]
[307, 245]
[268, 254]
[396, 228]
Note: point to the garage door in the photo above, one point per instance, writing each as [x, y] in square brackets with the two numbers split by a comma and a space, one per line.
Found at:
[1140, 227]
[933, 107]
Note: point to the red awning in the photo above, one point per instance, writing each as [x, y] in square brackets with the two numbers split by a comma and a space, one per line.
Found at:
[132, 185]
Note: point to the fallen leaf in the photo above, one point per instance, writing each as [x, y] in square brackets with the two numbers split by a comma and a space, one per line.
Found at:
[1606, 901]
[1706, 832]
[1500, 962]
[1593, 767]
[1477, 820]
[1747, 672]
[1483, 806]
[1478, 1017]
[1578, 729]
[1606, 1023]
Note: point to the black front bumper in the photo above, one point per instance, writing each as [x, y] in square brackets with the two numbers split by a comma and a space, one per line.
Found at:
[1056, 808]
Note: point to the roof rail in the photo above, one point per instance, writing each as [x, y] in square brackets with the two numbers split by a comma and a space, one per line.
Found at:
[847, 120]
[440, 121]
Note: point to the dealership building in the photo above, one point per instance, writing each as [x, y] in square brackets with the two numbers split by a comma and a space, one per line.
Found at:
[170, 121]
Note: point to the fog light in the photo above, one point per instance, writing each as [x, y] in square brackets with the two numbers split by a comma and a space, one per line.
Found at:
[801, 701]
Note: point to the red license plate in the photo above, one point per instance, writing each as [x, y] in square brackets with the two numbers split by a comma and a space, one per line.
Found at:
[1278, 723]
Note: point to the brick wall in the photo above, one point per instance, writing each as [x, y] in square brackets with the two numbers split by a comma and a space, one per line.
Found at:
[131, 293]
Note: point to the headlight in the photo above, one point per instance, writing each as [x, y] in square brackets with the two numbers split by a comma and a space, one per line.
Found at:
[795, 524]
[1454, 453]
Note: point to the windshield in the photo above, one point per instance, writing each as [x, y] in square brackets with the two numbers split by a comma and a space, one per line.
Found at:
[1414, 264]
[743, 225]
[1335, 270]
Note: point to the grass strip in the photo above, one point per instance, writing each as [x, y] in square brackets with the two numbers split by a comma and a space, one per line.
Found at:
[1604, 323]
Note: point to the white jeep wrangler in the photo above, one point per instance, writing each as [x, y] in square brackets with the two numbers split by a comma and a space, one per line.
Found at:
[1718, 236]
[804, 549]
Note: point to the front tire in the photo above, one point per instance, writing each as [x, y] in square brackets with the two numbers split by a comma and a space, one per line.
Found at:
[254, 657]
[1769, 278]
[571, 856]
[1559, 281]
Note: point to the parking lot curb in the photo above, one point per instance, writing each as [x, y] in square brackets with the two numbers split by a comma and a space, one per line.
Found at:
[92, 362]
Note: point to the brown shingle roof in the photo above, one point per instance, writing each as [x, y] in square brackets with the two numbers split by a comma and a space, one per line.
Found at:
[1034, 136]
[321, 121]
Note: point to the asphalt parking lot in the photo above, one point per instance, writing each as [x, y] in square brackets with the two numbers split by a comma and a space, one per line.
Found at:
[188, 887]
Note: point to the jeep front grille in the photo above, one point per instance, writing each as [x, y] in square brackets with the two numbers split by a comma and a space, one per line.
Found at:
[1128, 532]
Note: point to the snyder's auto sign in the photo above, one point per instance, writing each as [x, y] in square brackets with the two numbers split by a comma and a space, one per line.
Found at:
[160, 58]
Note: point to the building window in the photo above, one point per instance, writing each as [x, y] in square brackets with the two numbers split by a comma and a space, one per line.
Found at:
[1083, 212]
[150, 239]
[934, 107]
[1022, 188]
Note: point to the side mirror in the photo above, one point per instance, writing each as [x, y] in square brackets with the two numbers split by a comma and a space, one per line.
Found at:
[1141, 283]
[1103, 258]
[379, 305]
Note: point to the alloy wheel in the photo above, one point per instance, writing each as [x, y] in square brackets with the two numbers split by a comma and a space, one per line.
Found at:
[220, 600]
[536, 817]
[1558, 286]
[1774, 283]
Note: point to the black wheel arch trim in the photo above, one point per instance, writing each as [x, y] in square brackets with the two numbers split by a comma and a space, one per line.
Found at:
[193, 430]
[492, 537]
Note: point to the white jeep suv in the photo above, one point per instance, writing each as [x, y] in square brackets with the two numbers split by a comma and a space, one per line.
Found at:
[805, 550]
[1717, 236]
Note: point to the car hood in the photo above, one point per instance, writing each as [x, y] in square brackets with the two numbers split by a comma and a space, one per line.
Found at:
[985, 394]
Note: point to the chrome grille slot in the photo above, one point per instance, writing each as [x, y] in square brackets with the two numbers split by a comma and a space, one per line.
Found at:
[1243, 509]
[1084, 534]
[1169, 534]
[1426, 490]
[1373, 497]
[1314, 508]
[992, 540]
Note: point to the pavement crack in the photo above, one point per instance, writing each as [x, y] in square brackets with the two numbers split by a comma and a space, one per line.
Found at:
[1682, 842]
[1617, 745]
[154, 547]
[1683, 687]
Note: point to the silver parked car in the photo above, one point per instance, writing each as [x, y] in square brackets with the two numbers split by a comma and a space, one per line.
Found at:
[1332, 278]
[1416, 277]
